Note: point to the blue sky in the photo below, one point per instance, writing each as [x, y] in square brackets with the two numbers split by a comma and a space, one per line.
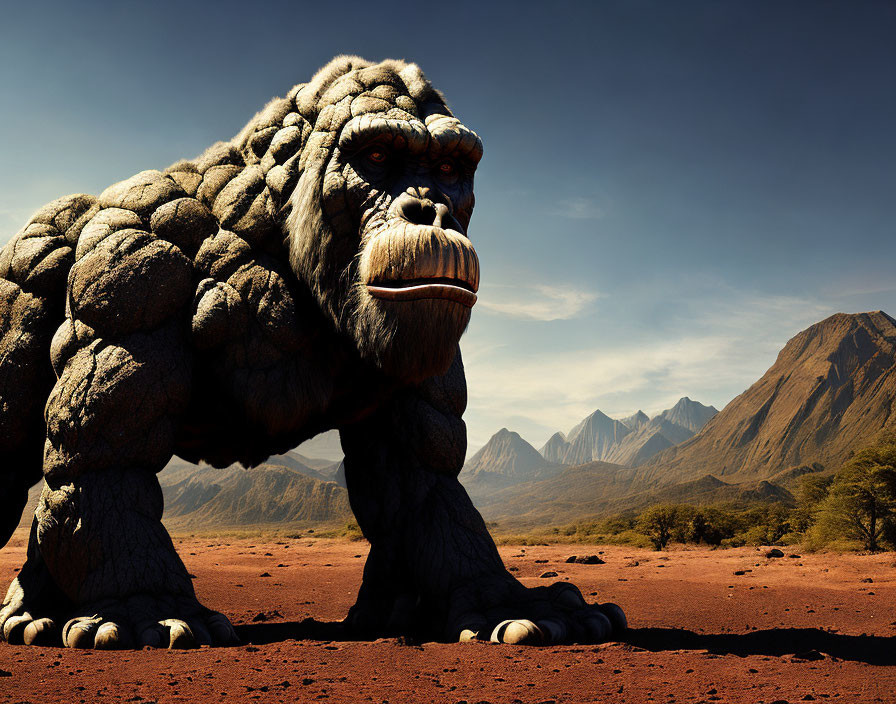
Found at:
[670, 190]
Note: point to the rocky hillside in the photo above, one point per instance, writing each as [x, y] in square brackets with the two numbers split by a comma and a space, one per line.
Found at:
[285, 489]
[266, 494]
[830, 391]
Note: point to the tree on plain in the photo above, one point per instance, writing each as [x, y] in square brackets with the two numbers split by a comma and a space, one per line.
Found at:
[659, 523]
[861, 502]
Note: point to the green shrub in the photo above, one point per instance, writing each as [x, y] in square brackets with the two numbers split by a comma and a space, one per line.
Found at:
[861, 502]
[659, 523]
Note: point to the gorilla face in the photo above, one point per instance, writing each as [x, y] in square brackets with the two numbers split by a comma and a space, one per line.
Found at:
[397, 195]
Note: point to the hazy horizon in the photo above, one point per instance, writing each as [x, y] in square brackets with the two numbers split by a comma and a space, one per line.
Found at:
[670, 191]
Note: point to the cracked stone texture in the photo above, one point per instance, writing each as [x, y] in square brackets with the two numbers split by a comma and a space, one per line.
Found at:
[218, 310]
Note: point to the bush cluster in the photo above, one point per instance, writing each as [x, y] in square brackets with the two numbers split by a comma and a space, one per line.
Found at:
[854, 508]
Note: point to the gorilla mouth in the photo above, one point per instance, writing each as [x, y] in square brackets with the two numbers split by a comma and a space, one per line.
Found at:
[408, 262]
[419, 289]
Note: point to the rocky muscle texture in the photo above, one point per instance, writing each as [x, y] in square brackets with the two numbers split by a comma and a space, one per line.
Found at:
[312, 273]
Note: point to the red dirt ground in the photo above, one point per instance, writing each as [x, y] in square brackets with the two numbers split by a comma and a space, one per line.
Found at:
[810, 628]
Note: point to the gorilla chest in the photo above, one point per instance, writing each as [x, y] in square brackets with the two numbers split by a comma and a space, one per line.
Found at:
[267, 363]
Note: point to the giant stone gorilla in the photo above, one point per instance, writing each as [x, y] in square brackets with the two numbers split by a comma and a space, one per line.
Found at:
[312, 273]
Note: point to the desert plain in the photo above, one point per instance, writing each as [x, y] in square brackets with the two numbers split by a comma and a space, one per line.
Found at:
[705, 626]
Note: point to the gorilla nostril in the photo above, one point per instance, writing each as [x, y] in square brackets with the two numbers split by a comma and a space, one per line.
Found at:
[418, 212]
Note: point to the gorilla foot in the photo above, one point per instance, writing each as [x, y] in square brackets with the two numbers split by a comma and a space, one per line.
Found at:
[499, 609]
[506, 612]
[134, 622]
[166, 621]
[31, 592]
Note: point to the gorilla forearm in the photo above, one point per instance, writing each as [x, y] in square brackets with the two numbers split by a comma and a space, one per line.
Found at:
[427, 539]
[33, 272]
[112, 416]
[423, 522]
[85, 530]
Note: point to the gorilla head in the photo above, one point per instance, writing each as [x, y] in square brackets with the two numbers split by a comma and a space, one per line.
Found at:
[379, 217]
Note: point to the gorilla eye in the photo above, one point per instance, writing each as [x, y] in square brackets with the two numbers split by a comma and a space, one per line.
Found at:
[447, 168]
[376, 156]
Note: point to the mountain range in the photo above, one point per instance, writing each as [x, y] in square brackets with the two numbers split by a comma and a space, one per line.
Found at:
[830, 392]
[288, 488]
[507, 458]
[629, 441]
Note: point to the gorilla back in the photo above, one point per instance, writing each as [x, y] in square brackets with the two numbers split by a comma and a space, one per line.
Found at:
[312, 273]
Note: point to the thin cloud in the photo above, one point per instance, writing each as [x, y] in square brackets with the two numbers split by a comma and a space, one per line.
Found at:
[539, 302]
[561, 388]
[580, 209]
[718, 352]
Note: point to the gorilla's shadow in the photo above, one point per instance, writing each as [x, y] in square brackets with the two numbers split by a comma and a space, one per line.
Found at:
[802, 643]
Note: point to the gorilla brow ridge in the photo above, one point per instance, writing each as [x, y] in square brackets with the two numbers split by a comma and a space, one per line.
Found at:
[366, 129]
[437, 137]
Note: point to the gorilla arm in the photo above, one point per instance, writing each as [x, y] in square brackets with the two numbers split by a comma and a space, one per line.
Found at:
[433, 569]
[125, 376]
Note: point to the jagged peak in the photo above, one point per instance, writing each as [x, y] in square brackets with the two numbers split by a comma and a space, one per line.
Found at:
[635, 420]
[504, 437]
[598, 415]
[688, 414]
[687, 402]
